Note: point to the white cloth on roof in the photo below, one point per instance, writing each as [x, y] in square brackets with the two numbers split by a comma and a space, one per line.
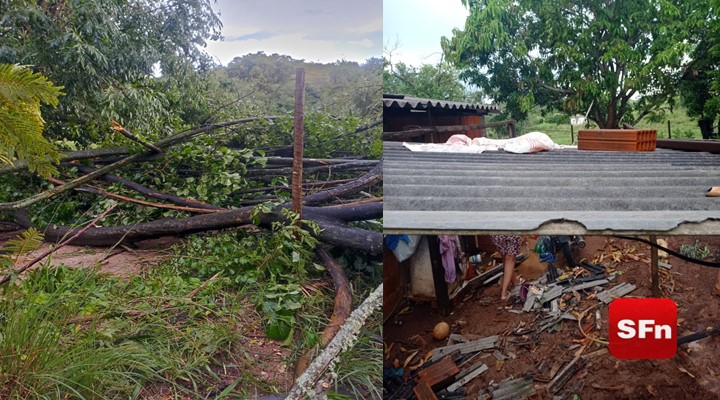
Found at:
[528, 143]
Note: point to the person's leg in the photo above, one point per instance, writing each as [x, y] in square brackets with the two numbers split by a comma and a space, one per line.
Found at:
[508, 270]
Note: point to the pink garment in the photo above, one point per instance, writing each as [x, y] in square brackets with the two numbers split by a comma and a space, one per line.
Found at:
[448, 253]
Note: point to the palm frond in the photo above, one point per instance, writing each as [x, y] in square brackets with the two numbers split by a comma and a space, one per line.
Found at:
[27, 241]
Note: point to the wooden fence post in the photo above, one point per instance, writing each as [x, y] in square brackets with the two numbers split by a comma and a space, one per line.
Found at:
[298, 141]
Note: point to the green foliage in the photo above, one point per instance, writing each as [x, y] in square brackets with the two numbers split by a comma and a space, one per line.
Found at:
[565, 56]
[75, 334]
[427, 81]
[277, 259]
[557, 125]
[27, 241]
[105, 53]
[697, 250]
[21, 126]
[700, 84]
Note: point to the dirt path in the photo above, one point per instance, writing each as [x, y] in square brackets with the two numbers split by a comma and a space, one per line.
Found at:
[693, 373]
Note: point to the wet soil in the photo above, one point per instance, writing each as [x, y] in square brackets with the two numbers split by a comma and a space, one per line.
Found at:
[693, 373]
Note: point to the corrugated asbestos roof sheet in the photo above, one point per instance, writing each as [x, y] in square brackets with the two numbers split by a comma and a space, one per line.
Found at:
[416, 103]
[558, 192]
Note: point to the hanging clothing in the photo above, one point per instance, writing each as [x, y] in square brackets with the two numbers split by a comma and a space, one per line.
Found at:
[448, 253]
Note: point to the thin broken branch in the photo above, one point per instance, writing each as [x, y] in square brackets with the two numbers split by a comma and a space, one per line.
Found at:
[167, 142]
[118, 128]
[53, 249]
[364, 181]
[341, 310]
[126, 199]
[180, 201]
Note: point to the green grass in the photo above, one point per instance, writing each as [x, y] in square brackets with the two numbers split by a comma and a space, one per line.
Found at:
[76, 334]
[682, 127]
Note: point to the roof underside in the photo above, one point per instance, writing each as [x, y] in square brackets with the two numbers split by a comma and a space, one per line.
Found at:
[558, 192]
[416, 103]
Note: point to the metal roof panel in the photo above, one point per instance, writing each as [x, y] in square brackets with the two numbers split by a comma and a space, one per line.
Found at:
[585, 191]
[417, 103]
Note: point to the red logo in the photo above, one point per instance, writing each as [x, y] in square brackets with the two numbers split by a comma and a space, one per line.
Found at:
[643, 328]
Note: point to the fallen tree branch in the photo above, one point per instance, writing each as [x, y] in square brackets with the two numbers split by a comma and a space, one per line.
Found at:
[180, 201]
[287, 171]
[329, 219]
[167, 142]
[343, 340]
[314, 162]
[306, 184]
[118, 128]
[17, 205]
[341, 309]
[124, 150]
[364, 181]
[60, 245]
[107, 194]
[203, 285]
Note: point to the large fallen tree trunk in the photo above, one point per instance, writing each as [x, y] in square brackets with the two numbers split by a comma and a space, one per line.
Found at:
[330, 219]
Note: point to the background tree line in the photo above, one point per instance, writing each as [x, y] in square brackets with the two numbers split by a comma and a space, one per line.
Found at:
[625, 61]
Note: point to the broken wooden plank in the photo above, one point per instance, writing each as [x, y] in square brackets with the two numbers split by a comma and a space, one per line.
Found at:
[565, 374]
[493, 278]
[586, 285]
[519, 388]
[477, 370]
[457, 338]
[616, 292]
[465, 348]
[552, 293]
[500, 356]
[423, 391]
[439, 374]
[529, 301]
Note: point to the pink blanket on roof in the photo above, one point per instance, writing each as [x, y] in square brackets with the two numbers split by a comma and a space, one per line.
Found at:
[528, 143]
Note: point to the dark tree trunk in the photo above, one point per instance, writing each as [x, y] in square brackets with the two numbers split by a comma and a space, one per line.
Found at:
[706, 128]
[330, 219]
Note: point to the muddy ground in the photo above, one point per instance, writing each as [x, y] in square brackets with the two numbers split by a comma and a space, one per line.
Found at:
[268, 357]
[693, 373]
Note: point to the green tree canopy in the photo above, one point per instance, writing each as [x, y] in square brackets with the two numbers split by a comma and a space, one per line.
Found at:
[429, 81]
[623, 57]
[700, 83]
[106, 52]
[21, 125]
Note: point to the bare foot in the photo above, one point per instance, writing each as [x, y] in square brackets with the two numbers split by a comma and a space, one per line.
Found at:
[505, 296]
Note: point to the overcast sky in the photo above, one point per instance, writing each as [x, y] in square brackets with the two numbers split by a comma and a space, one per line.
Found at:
[417, 26]
[313, 30]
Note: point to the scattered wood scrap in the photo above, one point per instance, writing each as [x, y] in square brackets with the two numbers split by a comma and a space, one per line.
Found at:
[467, 347]
[618, 291]
[512, 389]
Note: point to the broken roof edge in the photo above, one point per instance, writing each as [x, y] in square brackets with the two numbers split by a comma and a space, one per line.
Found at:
[606, 223]
[402, 101]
